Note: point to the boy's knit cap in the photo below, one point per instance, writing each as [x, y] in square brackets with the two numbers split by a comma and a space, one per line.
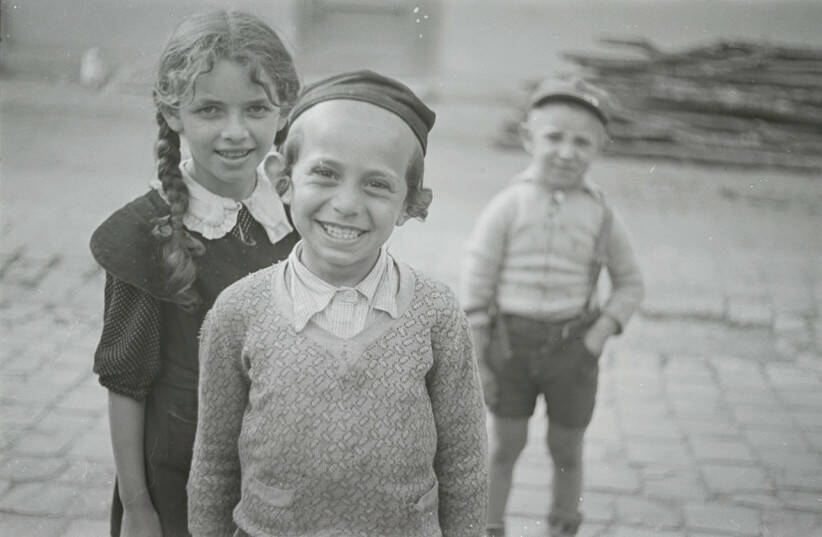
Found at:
[573, 89]
[370, 87]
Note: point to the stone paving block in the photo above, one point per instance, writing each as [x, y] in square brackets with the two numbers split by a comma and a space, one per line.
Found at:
[598, 507]
[662, 431]
[723, 428]
[56, 377]
[726, 479]
[535, 474]
[22, 468]
[679, 485]
[764, 399]
[92, 502]
[86, 528]
[758, 418]
[86, 399]
[611, 477]
[808, 420]
[784, 439]
[678, 304]
[20, 365]
[759, 501]
[815, 439]
[694, 406]
[84, 473]
[529, 502]
[729, 451]
[43, 444]
[19, 415]
[802, 399]
[94, 444]
[650, 514]
[26, 392]
[632, 531]
[803, 481]
[521, 526]
[14, 525]
[801, 461]
[749, 311]
[791, 524]
[643, 452]
[787, 377]
[42, 499]
[604, 431]
[806, 501]
[722, 519]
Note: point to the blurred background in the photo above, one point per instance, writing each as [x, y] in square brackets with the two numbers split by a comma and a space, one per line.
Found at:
[708, 421]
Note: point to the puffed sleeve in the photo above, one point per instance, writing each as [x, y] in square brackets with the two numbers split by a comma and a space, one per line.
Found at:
[127, 359]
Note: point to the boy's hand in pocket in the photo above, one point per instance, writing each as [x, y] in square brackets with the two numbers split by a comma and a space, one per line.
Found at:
[598, 334]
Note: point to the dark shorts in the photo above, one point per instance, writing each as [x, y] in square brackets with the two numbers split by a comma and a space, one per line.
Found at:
[544, 362]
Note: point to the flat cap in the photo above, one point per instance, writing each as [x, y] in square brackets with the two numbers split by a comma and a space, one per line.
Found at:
[370, 87]
[574, 89]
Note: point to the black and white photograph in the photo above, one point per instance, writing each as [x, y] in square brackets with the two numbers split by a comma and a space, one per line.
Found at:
[411, 268]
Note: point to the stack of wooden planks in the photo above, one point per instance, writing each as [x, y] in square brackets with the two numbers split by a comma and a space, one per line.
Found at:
[727, 103]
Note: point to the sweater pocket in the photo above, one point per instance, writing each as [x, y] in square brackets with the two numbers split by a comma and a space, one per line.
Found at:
[428, 501]
[272, 496]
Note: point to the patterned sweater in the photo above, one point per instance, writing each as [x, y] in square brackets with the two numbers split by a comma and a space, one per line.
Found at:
[308, 434]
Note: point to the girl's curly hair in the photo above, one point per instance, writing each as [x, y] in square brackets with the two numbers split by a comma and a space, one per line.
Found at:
[197, 44]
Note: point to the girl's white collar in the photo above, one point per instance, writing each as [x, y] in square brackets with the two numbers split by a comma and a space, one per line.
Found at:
[214, 216]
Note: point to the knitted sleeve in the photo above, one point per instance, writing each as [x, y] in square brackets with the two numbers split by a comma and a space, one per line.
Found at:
[627, 289]
[214, 481]
[459, 415]
[484, 257]
[127, 359]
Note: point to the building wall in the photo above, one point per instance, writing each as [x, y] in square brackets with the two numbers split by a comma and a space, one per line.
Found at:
[476, 44]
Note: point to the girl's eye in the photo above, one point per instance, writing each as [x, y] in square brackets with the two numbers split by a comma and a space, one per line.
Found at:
[208, 110]
[259, 109]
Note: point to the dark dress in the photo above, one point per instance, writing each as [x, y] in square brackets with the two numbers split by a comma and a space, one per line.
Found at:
[148, 348]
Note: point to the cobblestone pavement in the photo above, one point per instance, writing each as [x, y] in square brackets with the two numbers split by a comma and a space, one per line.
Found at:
[709, 418]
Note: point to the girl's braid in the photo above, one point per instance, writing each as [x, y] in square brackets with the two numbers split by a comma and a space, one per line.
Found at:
[178, 246]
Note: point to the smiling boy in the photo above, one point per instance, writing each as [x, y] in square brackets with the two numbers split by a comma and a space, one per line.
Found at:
[339, 394]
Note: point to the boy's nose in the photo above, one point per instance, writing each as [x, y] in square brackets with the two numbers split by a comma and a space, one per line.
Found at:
[566, 151]
[346, 200]
[235, 128]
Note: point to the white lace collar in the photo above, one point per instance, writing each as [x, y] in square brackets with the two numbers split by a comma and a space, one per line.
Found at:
[213, 216]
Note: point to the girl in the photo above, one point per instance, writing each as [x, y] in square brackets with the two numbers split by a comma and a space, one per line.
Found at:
[224, 81]
[339, 394]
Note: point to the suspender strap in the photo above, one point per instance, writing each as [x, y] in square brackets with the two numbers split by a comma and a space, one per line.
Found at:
[600, 253]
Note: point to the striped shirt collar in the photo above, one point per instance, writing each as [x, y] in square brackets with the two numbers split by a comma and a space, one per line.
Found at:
[214, 216]
[311, 294]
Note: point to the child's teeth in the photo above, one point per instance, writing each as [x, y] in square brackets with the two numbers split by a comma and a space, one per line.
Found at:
[233, 154]
[341, 233]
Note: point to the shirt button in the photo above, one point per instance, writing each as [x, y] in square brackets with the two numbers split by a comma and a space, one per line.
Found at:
[559, 197]
[348, 295]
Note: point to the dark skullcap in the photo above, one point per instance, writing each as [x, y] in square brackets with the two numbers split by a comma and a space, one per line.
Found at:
[370, 87]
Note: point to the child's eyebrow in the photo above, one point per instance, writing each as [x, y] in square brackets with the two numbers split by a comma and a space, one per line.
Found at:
[206, 100]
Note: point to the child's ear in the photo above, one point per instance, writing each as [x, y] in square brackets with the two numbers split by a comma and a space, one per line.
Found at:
[274, 168]
[172, 118]
[525, 137]
[274, 165]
